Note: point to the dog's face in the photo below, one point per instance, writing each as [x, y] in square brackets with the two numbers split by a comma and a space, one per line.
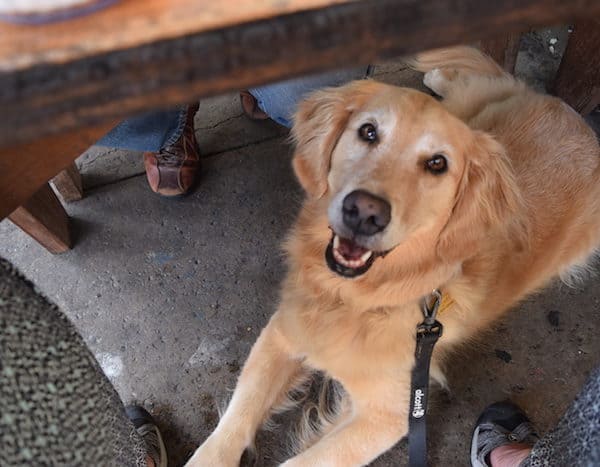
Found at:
[394, 165]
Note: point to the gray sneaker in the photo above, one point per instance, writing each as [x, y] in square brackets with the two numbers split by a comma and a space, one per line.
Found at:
[499, 424]
[147, 429]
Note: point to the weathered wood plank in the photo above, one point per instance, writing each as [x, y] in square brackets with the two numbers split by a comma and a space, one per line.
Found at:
[52, 95]
[578, 78]
[68, 183]
[26, 167]
[503, 49]
[131, 23]
[43, 218]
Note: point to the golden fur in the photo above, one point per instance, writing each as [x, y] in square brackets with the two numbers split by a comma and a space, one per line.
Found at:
[519, 204]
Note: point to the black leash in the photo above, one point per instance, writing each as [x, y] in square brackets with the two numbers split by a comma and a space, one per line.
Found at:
[428, 332]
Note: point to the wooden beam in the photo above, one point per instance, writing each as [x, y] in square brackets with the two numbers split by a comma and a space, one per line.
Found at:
[68, 184]
[503, 49]
[125, 26]
[578, 78]
[61, 89]
[43, 218]
[25, 168]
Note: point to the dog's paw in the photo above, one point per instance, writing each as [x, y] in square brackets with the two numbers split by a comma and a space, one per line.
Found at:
[439, 80]
[211, 454]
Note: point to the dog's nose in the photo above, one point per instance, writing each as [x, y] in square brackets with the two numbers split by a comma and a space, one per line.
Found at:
[364, 213]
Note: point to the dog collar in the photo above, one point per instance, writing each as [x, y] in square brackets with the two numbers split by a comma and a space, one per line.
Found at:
[446, 302]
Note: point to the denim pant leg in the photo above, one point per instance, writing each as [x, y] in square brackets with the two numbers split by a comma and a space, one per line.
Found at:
[279, 100]
[155, 130]
[147, 132]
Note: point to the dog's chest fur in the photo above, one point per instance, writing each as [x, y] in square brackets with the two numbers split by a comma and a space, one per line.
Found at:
[345, 343]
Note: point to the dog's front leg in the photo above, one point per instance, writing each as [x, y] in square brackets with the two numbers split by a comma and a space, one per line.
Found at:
[264, 379]
[357, 442]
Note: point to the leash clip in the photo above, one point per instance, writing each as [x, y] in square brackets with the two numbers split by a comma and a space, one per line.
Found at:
[429, 307]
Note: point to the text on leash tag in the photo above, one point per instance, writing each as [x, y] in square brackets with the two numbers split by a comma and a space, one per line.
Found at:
[418, 411]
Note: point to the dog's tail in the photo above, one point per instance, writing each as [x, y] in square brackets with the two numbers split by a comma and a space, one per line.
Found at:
[460, 58]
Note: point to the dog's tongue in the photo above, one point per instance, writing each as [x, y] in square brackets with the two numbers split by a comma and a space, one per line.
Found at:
[350, 250]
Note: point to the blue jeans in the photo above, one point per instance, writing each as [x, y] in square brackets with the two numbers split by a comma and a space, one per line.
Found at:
[155, 130]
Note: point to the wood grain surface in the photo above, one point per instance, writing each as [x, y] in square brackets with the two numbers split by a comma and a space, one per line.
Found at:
[578, 78]
[63, 85]
[68, 183]
[131, 23]
[26, 167]
[503, 49]
[43, 218]
[131, 58]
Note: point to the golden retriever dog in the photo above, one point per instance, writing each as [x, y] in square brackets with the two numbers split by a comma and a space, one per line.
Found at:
[485, 195]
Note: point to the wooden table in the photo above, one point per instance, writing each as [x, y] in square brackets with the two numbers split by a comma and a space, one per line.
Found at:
[64, 85]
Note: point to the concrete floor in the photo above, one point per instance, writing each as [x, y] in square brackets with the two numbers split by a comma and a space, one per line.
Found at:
[171, 294]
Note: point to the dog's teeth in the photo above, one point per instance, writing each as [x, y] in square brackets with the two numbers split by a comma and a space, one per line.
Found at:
[350, 263]
[338, 257]
[364, 258]
[336, 242]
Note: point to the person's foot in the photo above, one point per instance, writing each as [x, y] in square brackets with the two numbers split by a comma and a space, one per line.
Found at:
[250, 106]
[149, 432]
[173, 170]
[503, 436]
[509, 455]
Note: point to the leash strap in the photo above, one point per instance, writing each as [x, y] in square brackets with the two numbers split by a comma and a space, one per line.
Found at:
[428, 332]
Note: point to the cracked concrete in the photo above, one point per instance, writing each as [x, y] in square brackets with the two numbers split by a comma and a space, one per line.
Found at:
[171, 294]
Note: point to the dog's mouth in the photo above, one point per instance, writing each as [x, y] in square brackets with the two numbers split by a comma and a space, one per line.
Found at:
[348, 258]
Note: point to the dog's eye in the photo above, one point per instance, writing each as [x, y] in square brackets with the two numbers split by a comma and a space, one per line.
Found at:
[437, 164]
[368, 133]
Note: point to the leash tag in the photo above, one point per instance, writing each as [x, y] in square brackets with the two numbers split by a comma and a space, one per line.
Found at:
[428, 333]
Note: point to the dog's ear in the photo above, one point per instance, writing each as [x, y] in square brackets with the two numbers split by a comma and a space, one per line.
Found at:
[487, 196]
[318, 125]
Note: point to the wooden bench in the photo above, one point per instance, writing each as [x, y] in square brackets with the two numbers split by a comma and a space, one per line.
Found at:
[64, 85]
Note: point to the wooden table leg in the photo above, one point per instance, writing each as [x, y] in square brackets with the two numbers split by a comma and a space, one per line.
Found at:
[68, 184]
[25, 168]
[503, 49]
[578, 78]
[44, 219]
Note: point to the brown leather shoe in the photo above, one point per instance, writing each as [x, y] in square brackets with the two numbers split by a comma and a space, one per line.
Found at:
[173, 170]
[250, 106]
